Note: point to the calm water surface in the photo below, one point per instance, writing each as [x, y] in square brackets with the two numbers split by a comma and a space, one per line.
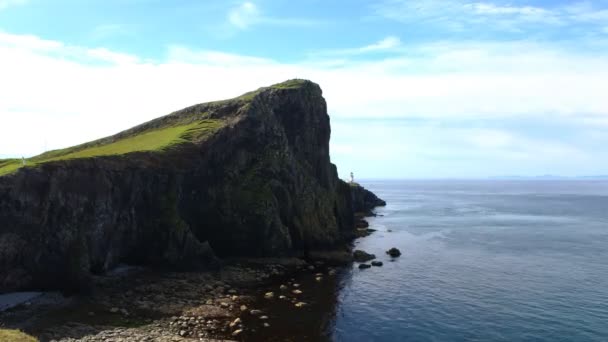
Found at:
[482, 261]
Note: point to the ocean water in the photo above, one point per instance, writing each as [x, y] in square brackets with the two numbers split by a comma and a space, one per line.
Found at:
[482, 261]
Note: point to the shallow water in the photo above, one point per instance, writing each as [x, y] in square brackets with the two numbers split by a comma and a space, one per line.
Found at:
[482, 261]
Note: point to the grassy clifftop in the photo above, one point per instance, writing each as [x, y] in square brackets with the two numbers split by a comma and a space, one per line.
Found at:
[153, 140]
[191, 125]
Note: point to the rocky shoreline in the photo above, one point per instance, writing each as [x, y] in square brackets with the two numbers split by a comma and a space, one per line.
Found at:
[235, 303]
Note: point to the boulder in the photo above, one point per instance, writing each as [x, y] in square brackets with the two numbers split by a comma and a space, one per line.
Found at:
[362, 256]
[394, 252]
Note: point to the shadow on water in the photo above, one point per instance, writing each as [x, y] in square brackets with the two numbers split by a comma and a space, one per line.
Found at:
[314, 321]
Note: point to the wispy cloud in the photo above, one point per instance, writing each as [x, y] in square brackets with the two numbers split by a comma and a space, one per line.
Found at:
[460, 15]
[248, 14]
[389, 43]
[9, 3]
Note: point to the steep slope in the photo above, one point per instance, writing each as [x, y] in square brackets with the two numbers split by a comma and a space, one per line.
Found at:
[248, 176]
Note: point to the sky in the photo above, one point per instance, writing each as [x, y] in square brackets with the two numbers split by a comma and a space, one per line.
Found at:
[415, 88]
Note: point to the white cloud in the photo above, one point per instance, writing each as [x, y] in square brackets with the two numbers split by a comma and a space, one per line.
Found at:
[390, 43]
[244, 15]
[461, 15]
[65, 94]
[386, 43]
[248, 14]
[8, 3]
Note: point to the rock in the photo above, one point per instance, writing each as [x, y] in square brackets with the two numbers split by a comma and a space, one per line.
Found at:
[319, 278]
[262, 155]
[235, 323]
[263, 317]
[255, 312]
[297, 292]
[296, 285]
[224, 305]
[361, 256]
[243, 308]
[266, 325]
[282, 297]
[363, 266]
[269, 295]
[237, 332]
[283, 287]
[300, 304]
[364, 200]
[377, 263]
[393, 252]
[114, 310]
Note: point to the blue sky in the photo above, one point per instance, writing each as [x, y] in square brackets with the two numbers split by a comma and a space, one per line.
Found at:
[415, 89]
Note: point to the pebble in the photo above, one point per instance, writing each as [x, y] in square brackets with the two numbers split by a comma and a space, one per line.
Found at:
[266, 325]
[319, 278]
[300, 304]
[263, 317]
[255, 312]
[237, 332]
[243, 307]
[283, 287]
[269, 295]
[296, 292]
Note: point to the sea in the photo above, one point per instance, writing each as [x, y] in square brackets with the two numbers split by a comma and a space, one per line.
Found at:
[489, 260]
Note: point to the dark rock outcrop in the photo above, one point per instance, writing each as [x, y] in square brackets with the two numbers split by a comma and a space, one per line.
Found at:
[364, 200]
[362, 256]
[262, 185]
[394, 252]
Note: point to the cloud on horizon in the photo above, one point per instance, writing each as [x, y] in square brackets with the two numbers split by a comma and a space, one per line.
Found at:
[62, 95]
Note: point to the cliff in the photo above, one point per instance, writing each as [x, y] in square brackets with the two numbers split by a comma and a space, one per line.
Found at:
[249, 176]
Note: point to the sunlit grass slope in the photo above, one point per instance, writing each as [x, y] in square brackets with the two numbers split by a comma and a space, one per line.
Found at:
[159, 139]
[7, 335]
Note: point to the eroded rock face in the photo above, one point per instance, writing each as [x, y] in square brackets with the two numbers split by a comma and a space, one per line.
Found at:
[364, 200]
[263, 185]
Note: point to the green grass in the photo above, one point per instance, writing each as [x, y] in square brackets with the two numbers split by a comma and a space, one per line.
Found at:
[153, 140]
[291, 84]
[9, 165]
[7, 335]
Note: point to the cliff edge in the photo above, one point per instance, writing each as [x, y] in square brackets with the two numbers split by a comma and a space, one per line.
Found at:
[250, 176]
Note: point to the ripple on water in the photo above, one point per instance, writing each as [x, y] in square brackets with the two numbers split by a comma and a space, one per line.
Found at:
[482, 262]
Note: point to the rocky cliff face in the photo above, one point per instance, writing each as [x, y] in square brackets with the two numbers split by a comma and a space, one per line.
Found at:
[261, 184]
